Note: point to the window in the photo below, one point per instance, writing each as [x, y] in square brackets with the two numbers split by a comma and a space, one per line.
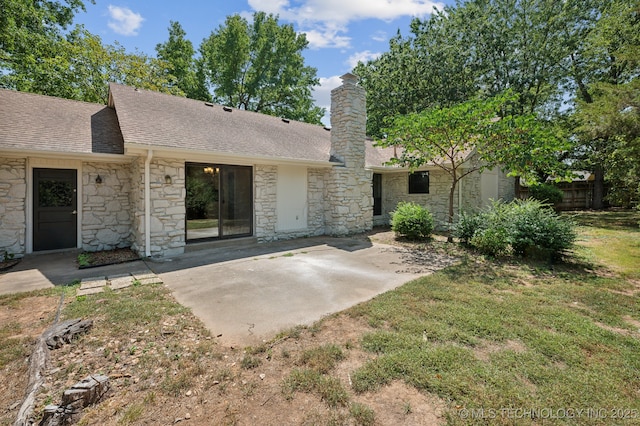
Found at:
[419, 183]
[377, 194]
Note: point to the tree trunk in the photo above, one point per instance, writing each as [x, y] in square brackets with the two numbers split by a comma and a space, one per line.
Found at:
[598, 188]
[451, 198]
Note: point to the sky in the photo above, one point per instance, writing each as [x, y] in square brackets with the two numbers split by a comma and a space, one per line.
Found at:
[339, 32]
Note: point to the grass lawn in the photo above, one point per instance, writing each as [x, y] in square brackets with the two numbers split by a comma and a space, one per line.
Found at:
[508, 341]
[202, 223]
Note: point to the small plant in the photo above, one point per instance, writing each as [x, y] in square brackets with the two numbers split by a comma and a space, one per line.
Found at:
[84, 259]
[328, 388]
[321, 359]
[362, 415]
[249, 362]
[411, 220]
[7, 256]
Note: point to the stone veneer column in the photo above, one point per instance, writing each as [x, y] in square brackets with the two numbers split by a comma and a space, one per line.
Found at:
[168, 210]
[265, 182]
[348, 190]
[13, 195]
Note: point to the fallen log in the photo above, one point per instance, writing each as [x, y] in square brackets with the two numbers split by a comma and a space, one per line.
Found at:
[54, 337]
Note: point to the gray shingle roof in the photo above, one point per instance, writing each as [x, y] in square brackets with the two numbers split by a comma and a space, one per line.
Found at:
[161, 120]
[33, 122]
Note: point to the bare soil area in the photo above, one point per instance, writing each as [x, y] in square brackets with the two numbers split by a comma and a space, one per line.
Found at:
[173, 371]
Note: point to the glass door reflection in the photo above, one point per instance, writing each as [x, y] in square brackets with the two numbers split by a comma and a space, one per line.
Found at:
[219, 201]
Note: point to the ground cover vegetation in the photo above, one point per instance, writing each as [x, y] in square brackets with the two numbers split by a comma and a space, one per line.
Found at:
[489, 341]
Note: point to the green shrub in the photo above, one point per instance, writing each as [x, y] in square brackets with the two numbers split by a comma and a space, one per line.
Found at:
[522, 227]
[536, 227]
[546, 193]
[467, 225]
[493, 241]
[412, 221]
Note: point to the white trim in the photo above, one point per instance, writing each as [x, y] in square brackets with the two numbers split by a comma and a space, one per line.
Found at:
[28, 246]
[147, 203]
[72, 156]
[79, 206]
[221, 157]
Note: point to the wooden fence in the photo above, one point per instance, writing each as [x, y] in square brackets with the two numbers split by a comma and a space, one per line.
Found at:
[577, 195]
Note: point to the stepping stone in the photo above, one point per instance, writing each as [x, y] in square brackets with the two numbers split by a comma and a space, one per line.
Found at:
[146, 277]
[117, 282]
[154, 279]
[92, 290]
[140, 275]
[93, 282]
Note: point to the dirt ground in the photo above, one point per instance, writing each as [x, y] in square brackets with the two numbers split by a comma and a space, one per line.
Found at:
[175, 372]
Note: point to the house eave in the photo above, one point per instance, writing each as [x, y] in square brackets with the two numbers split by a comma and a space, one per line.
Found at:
[83, 156]
[134, 149]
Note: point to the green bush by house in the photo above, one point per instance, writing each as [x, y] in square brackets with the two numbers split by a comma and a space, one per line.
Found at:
[411, 220]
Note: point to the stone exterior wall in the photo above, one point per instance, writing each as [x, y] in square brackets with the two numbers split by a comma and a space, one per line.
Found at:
[348, 189]
[106, 207]
[315, 201]
[265, 184]
[395, 188]
[472, 192]
[168, 210]
[506, 186]
[13, 196]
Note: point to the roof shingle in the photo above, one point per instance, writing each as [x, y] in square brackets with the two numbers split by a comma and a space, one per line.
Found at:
[33, 122]
[161, 120]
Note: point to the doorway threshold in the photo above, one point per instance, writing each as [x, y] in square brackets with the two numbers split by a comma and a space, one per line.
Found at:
[215, 244]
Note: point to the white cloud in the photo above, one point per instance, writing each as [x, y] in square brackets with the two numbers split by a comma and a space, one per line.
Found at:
[322, 95]
[380, 36]
[327, 37]
[341, 11]
[325, 21]
[124, 21]
[364, 56]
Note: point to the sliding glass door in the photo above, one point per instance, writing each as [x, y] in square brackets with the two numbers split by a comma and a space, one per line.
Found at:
[219, 201]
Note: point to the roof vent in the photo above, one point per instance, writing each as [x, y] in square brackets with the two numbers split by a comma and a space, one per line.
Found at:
[228, 109]
[285, 120]
[209, 104]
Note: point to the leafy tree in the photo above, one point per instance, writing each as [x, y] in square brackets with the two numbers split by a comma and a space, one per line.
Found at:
[259, 67]
[30, 37]
[611, 122]
[26, 27]
[179, 53]
[472, 136]
[80, 67]
[604, 57]
[475, 48]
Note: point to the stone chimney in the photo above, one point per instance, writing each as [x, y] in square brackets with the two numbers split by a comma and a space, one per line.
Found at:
[348, 122]
[348, 189]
